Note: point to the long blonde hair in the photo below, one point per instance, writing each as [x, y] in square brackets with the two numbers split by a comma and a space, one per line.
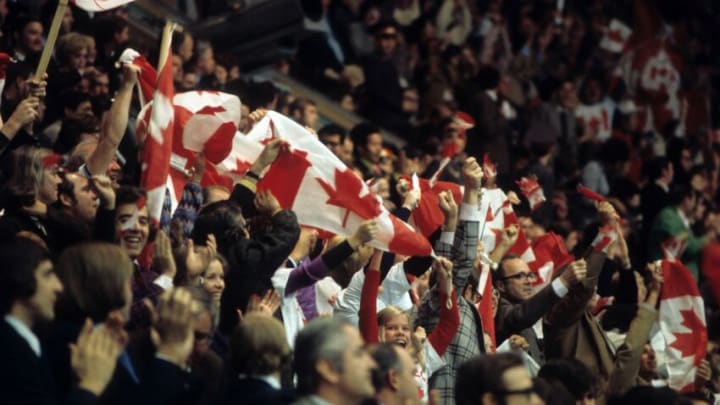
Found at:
[415, 349]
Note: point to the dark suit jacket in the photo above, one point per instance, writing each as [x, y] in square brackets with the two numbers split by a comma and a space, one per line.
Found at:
[653, 199]
[25, 378]
[253, 391]
[519, 317]
[160, 382]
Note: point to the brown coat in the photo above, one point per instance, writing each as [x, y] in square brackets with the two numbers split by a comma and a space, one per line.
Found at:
[571, 331]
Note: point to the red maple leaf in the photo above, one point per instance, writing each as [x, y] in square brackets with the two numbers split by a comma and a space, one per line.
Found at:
[346, 194]
[273, 134]
[688, 343]
[211, 110]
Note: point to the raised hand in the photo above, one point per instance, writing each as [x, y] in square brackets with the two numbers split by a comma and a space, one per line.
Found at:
[199, 258]
[364, 233]
[103, 186]
[163, 260]
[171, 330]
[472, 174]
[93, 357]
[266, 203]
[510, 235]
[268, 304]
[443, 270]
[130, 74]
[450, 209]
[268, 155]
[575, 273]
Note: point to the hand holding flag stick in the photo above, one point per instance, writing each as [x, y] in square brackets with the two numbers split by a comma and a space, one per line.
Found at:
[443, 271]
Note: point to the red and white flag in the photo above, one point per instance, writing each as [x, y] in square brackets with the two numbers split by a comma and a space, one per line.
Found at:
[616, 36]
[551, 255]
[603, 240]
[207, 122]
[158, 142]
[489, 167]
[530, 188]
[147, 77]
[100, 5]
[674, 246]
[496, 202]
[682, 324]
[485, 306]
[428, 216]
[310, 180]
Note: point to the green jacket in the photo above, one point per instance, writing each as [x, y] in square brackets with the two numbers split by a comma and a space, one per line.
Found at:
[668, 223]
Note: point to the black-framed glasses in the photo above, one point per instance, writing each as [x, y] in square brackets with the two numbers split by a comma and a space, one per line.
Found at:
[522, 276]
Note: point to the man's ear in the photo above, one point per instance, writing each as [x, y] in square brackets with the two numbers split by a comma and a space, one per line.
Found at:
[327, 372]
[392, 380]
[65, 200]
[499, 285]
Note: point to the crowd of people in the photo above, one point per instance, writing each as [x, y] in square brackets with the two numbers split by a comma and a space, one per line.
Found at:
[229, 299]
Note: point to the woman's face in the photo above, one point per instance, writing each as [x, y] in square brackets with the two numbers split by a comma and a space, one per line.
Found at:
[397, 330]
[48, 192]
[214, 280]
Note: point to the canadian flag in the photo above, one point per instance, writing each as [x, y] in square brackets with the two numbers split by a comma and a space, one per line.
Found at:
[100, 5]
[605, 237]
[495, 201]
[158, 142]
[674, 246]
[551, 255]
[485, 306]
[616, 36]
[207, 122]
[682, 324]
[589, 194]
[530, 188]
[307, 178]
[489, 167]
[427, 217]
[147, 77]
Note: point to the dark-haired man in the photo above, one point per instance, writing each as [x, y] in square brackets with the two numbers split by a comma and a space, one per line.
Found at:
[495, 379]
[519, 308]
[28, 290]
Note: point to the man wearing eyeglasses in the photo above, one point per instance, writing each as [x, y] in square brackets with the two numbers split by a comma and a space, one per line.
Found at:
[495, 379]
[519, 308]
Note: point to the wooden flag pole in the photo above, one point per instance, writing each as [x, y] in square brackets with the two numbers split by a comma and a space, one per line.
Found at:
[165, 45]
[51, 39]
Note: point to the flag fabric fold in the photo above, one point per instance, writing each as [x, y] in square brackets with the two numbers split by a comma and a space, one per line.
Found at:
[308, 179]
[100, 5]
[159, 137]
[682, 324]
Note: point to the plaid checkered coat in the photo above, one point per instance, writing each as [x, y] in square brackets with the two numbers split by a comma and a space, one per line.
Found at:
[468, 341]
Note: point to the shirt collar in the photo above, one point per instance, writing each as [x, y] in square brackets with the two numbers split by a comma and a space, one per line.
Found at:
[25, 333]
[269, 379]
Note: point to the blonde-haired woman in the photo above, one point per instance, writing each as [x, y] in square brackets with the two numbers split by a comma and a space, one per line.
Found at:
[28, 193]
[393, 325]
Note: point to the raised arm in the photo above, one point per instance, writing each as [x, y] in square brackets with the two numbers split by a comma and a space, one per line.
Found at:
[368, 300]
[115, 124]
[449, 322]
[308, 273]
